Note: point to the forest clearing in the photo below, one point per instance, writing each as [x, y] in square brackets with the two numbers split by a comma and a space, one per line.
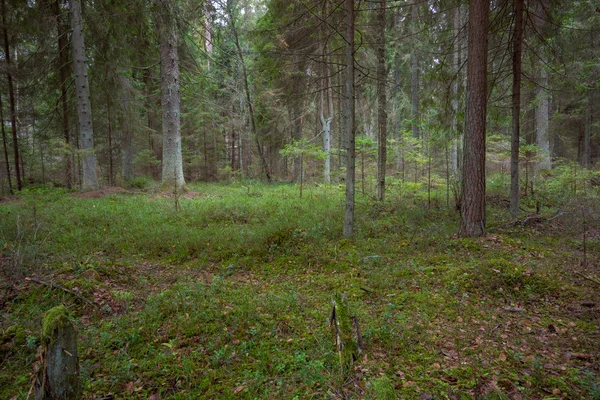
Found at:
[225, 292]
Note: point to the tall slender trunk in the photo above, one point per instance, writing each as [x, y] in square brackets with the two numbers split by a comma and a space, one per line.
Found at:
[63, 76]
[455, 68]
[586, 153]
[381, 102]
[326, 129]
[126, 130]
[249, 103]
[349, 123]
[111, 172]
[84, 109]
[6, 160]
[542, 118]
[11, 94]
[516, 110]
[414, 74]
[473, 183]
[297, 116]
[172, 166]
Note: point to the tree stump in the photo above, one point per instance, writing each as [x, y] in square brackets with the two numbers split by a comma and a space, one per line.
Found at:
[58, 377]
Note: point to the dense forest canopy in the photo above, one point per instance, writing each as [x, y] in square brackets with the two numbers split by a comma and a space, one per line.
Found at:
[123, 92]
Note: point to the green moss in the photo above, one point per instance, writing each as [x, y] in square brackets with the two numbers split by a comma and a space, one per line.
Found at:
[54, 319]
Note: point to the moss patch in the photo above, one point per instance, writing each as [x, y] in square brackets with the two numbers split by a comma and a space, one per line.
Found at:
[54, 319]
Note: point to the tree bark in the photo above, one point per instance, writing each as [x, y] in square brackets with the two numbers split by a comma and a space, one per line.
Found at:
[349, 123]
[381, 102]
[84, 109]
[473, 185]
[11, 95]
[455, 68]
[63, 76]
[542, 118]
[6, 160]
[172, 165]
[126, 131]
[516, 110]
[414, 75]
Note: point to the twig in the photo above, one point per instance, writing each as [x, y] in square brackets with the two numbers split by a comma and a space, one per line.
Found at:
[588, 278]
[64, 289]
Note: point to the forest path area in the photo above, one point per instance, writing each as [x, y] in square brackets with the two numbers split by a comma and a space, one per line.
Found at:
[229, 295]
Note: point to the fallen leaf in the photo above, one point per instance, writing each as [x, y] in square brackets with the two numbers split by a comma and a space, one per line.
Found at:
[239, 389]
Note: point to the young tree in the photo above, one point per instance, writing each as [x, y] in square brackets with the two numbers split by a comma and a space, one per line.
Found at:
[172, 167]
[472, 205]
[516, 109]
[84, 109]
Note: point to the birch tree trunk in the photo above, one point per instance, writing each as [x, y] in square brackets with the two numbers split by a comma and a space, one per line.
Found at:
[84, 108]
[381, 102]
[516, 110]
[542, 118]
[472, 205]
[172, 163]
[349, 123]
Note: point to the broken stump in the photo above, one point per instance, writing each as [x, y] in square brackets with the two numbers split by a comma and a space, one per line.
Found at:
[58, 377]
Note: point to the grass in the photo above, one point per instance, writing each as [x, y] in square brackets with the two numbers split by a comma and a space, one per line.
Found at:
[228, 295]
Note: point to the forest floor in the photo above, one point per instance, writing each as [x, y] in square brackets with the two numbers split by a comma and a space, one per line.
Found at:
[226, 293]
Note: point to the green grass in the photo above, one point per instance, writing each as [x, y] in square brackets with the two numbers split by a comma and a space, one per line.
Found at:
[228, 295]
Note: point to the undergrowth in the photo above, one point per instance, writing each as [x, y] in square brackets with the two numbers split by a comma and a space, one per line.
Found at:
[225, 292]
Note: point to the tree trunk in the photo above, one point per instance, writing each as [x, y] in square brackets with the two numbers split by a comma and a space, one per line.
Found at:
[414, 75]
[84, 109]
[297, 116]
[6, 160]
[126, 131]
[473, 185]
[249, 103]
[172, 165]
[11, 94]
[586, 153]
[516, 110]
[542, 117]
[63, 76]
[381, 102]
[349, 123]
[455, 68]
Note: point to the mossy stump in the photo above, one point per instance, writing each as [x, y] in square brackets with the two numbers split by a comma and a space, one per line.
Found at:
[58, 377]
[346, 332]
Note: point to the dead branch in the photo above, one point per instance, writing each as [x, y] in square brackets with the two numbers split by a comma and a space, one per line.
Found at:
[588, 278]
[64, 289]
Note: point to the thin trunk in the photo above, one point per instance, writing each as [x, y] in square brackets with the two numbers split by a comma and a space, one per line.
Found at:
[382, 102]
[297, 116]
[414, 75]
[84, 109]
[455, 69]
[10, 187]
[63, 76]
[516, 110]
[126, 131]
[473, 185]
[11, 94]
[172, 166]
[249, 103]
[110, 134]
[349, 123]
[233, 139]
[326, 127]
[542, 117]
[586, 159]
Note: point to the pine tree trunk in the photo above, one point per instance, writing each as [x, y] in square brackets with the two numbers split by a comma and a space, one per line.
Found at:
[84, 109]
[349, 123]
[516, 110]
[381, 102]
[473, 185]
[11, 95]
[172, 165]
